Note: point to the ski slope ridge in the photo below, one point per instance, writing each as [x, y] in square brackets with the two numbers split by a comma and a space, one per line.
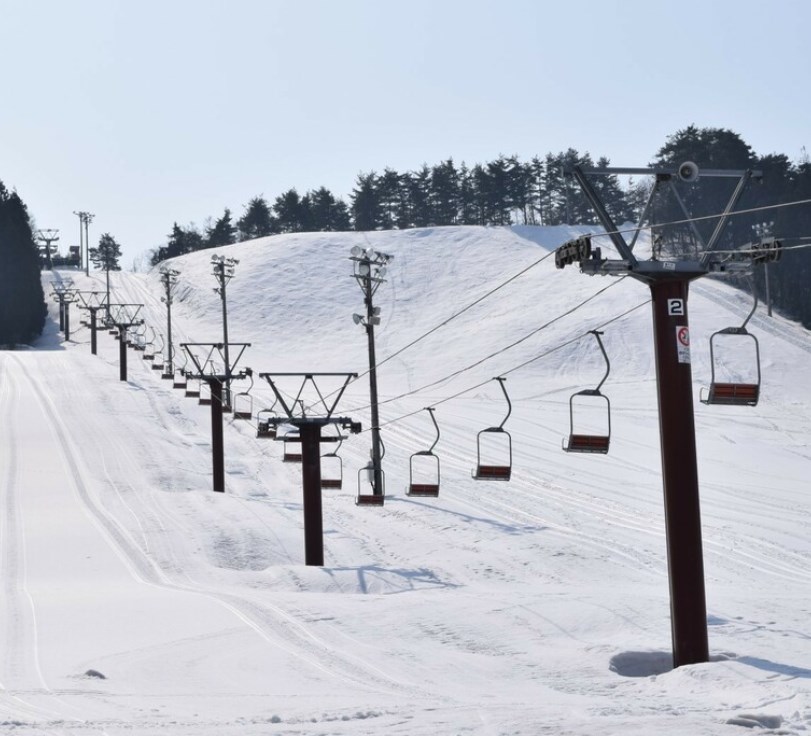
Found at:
[535, 606]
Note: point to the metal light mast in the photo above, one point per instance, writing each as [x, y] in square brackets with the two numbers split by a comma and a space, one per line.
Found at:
[224, 272]
[169, 281]
[369, 269]
[85, 218]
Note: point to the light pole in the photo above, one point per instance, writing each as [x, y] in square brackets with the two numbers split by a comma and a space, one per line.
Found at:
[169, 281]
[369, 269]
[224, 272]
[85, 218]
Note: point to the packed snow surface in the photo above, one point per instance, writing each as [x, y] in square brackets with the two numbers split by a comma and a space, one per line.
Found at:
[137, 601]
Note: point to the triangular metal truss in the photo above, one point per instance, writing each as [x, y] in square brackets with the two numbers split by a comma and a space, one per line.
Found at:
[207, 357]
[125, 315]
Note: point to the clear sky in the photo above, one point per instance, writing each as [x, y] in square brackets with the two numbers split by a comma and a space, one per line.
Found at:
[148, 112]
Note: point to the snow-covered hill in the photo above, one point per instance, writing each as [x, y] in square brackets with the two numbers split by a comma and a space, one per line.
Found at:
[535, 606]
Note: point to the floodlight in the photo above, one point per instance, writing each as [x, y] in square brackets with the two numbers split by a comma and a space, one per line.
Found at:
[357, 319]
[370, 253]
[375, 320]
[381, 271]
[363, 269]
[356, 250]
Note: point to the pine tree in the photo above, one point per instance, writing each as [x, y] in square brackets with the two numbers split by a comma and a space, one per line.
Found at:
[326, 212]
[107, 254]
[22, 303]
[222, 232]
[444, 193]
[257, 221]
[289, 212]
[366, 210]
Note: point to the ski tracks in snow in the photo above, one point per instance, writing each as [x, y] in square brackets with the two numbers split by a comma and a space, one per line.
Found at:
[149, 557]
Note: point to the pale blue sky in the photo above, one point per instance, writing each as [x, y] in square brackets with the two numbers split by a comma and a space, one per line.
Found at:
[148, 112]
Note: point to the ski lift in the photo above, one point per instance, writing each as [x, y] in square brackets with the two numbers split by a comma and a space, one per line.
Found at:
[494, 442]
[423, 468]
[243, 401]
[734, 393]
[590, 442]
[204, 395]
[264, 428]
[292, 447]
[332, 467]
[149, 347]
[368, 472]
[192, 387]
[158, 363]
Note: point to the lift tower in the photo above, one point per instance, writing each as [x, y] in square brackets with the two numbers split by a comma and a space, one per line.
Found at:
[92, 301]
[124, 317]
[201, 355]
[309, 428]
[669, 281]
[46, 237]
[65, 295]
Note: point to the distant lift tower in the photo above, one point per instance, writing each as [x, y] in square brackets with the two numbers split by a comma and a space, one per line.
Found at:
[124, 317]
[201, 355]
[669, 281]
[92, 301]
[65, 295]
[46, 237]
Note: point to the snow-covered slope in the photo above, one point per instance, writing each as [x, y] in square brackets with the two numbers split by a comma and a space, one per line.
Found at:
[535, 606]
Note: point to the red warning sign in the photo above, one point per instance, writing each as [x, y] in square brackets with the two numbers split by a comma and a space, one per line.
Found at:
[683, 343]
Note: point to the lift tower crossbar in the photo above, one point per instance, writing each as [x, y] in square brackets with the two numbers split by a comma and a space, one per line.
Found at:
[309, 428]
[669, 284]
[202, 355]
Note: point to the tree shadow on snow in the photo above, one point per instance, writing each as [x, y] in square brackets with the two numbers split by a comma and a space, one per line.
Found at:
[391, 579]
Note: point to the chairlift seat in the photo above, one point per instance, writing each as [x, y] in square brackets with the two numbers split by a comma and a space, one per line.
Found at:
[734, 394]
[429, 490]
[204, 400]
[242, 414]
[158, 366]
[266, 430]
[192, 393]
[369, 499]
[492, 472]
[290, 455]
[332, 483]
[596, 443]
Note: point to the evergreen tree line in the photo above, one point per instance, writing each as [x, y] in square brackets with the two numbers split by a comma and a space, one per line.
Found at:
[22, 302]
[508, 191]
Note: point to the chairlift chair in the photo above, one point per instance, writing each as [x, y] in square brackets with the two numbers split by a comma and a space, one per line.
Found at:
[204, 397]
[590, 442]
[192, 388]
[426, 465]
[179, 379]
[149, 347]
[368, 470]
[264, 428]
[292, 447]
[243, 402]
[733, 393]
[332, 468]
[487, 446]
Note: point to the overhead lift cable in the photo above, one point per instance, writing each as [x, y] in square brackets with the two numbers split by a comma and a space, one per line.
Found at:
[515, 368]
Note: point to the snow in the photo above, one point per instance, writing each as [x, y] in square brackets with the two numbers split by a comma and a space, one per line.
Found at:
[137, 601]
